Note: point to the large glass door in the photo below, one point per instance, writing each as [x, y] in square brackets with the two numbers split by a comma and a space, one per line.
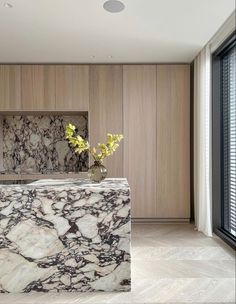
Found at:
[228, 82]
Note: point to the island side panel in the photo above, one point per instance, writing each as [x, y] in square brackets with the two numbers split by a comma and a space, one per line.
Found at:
[64, 238]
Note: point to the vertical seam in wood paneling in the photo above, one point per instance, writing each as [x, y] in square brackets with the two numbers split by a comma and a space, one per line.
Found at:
[1, 143]
[21, 97]
[55, 91]
[21, 104]
[156, 149]
[122, 96]
[89, 114]
[123, 113]
[56, 87]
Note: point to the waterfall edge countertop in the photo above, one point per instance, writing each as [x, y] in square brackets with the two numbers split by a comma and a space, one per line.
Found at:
[65, 235]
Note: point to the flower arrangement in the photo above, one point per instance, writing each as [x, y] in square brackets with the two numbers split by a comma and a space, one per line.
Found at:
[97, 172]
[100, 152]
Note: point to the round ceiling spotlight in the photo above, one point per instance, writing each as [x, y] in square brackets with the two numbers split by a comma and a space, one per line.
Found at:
[113, 6]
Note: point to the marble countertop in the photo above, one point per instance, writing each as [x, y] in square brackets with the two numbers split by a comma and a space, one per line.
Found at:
[108, 183]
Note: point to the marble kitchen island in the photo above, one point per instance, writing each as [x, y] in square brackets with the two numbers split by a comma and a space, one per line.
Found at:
[65, 235]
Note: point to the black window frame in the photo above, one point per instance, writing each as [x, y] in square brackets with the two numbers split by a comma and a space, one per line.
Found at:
[217, 142]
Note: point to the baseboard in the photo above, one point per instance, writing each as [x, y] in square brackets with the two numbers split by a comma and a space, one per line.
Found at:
[160, 220]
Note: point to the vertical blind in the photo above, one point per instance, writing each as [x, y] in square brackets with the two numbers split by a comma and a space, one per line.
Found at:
[228, 80]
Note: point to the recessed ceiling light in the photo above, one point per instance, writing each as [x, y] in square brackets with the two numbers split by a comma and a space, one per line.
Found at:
[113, 6]
[92, 56]
[7, 5]
[110, 56]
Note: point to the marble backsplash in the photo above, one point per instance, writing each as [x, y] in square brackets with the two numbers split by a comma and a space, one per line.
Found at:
[37, 144]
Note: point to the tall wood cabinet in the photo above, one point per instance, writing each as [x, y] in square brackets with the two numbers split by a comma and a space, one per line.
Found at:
[173, 141]
[106, 110]
[157, 148]
[140, 150]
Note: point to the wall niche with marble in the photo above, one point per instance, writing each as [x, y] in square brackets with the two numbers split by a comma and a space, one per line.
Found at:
[37, 144]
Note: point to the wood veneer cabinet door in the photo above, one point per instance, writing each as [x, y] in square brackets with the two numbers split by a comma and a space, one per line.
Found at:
[10, 87]
[106, 111]
[72, 87]
[38, 87]
[173, 146]
[139, 91]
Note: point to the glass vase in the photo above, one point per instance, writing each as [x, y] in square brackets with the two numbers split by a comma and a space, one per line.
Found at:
[97, 172]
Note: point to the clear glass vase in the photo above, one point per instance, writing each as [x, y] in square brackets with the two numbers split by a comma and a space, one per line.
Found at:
[97, 172]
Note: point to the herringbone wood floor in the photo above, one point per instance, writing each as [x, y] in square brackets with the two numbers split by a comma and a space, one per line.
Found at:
[171, 263]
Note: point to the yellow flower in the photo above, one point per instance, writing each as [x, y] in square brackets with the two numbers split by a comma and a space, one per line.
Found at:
[103, 150]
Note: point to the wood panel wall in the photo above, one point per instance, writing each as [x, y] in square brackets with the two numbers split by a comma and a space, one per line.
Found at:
[148, 103]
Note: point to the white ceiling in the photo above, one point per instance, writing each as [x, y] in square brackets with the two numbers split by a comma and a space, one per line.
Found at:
[75, 31]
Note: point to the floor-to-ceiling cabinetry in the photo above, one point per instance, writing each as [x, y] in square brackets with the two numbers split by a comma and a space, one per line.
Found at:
[157, 146]
[149, 104]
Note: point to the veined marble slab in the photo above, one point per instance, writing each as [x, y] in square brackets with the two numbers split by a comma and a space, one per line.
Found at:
[65, 235]
[37, 144]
